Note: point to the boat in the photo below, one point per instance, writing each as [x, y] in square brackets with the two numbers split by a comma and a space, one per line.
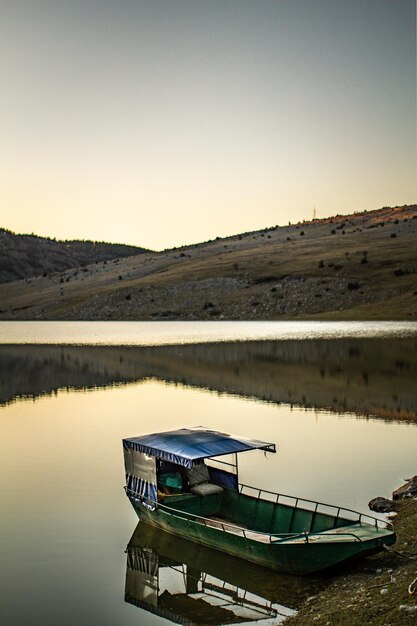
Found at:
[186, 482]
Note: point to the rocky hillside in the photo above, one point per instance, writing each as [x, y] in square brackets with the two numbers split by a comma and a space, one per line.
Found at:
[360, 266]
[24, 256]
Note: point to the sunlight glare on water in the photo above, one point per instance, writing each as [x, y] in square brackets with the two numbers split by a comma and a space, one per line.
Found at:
[163, 333]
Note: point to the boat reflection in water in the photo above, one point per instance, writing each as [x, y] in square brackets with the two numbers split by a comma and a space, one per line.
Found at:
[187, 583]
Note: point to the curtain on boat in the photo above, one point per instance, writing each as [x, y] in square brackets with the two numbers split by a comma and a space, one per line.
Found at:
[141, 475]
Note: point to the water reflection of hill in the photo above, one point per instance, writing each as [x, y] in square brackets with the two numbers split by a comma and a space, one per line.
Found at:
[375, 377]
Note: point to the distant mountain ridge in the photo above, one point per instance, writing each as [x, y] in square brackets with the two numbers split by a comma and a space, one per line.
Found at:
[25, 256]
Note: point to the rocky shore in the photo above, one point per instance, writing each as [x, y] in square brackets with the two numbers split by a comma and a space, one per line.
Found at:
[377, 591]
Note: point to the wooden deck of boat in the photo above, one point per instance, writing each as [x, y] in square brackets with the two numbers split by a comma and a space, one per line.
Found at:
[218, 522]
[353, 532]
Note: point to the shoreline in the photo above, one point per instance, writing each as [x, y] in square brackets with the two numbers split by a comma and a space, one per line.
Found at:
[380, 590]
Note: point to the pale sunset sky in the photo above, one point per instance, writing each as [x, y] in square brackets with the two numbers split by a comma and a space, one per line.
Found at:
[165, 122]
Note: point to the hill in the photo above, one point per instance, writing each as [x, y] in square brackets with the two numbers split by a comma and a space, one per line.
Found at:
[24, 256]
[359, 266]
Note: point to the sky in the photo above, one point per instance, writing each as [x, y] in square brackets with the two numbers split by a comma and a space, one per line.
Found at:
[165, 122]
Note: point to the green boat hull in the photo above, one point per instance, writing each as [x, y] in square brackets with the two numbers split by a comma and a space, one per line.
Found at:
[284, 538]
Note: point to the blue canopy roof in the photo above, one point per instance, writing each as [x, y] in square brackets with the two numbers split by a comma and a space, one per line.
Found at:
[186, 445]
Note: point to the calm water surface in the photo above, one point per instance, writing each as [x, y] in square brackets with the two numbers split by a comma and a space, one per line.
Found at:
[343, 412]
[160, 333]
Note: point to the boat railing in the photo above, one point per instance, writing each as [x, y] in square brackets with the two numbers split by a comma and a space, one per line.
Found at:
[247, 533]
[338, 512]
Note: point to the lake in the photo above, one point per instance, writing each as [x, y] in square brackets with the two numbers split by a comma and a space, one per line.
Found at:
[338, 399]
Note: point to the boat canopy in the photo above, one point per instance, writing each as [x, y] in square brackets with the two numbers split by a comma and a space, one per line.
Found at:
[188, 445]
